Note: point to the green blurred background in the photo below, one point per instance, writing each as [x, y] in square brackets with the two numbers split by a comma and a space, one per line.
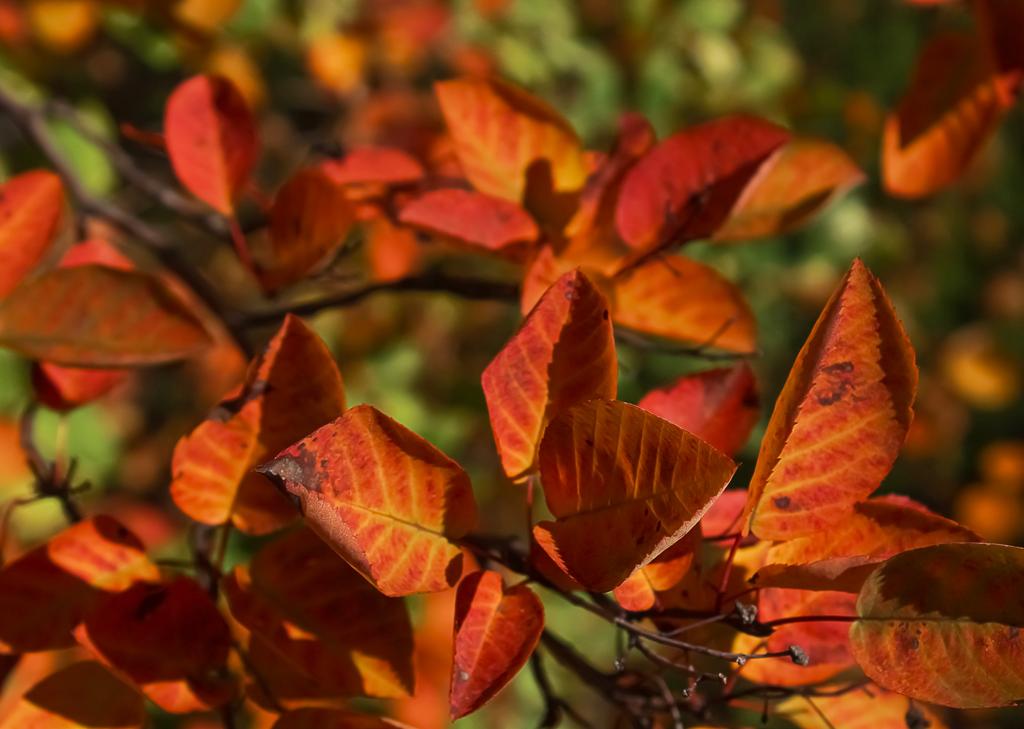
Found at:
[342, 71]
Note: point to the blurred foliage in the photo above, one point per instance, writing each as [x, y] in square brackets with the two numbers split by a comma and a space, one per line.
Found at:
[343, 71]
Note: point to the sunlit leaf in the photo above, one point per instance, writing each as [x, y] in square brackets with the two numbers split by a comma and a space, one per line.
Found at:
[685, 186]
[841, 418]
[640, 590]
[563, 354]
[322, 619]
[955, 101]
[94, 316]
[290, 390]
[308, 220]
[496, 630]
[81, 696]
[686, 301]
[623, 486]
[31, 205]
[859, 708]
[168, 639]
[383, 497]
[501, 132]
[794, 184]
[718, 406]
[943, 624]
[211, 140]
[843, 556]
[483, 221]
[46, 592]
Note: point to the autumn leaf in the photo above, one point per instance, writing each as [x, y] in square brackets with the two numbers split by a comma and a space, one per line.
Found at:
[955, 101]
[824, 642]
[563, 354]
[384, 498]
[623, 486]
[680, 299]
[686, 185]
[842, 557]
[168, 639]
[640, 590]
[862, 708]
[502, 134]
[795, 183]
[333, 719]
[46, 592]
[31, 205]
[290, 390]
[373, 165]
[943, 624]
[841, 418]
[392, 251]
[96, 316]
[496, 630]
[482, 221]
[718, 406]
[309, 219]
[211, 140]
[322, 620]
[83, 695]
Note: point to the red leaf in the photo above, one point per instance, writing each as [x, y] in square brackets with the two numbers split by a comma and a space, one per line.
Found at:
[491, 223]
[563, 354]
[718, 406]
[380, 165]
[211, 140]
[685, 187]
[385, 499]
[168, 639]
[31, 205]
[496, 630]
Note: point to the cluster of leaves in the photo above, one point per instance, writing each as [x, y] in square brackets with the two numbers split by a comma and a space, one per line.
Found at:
[800, 591]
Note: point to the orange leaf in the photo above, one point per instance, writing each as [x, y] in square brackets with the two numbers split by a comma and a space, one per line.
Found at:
[308, 221]
[385, 499]
[31, 205]
[293, 388]
[45, 593]
[843, 557]
[718, 406]
[65, 388]
[824, 642]
[842, 416]
[94, 316]
[168, 639]
[942, 624]
[624, 486]
[955, 101]
[501, 132]
[868, 708]
[211, 140]
[563, 354]
[319, 617]
[683, 300]
[83, 695]
[333, 719]
[368, 165]
[483, 221]
[685, 186]
[796, 182]
[496, 630]
[393, 251]
[640, 590]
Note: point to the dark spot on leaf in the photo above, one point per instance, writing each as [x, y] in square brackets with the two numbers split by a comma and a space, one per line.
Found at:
[781, 502]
